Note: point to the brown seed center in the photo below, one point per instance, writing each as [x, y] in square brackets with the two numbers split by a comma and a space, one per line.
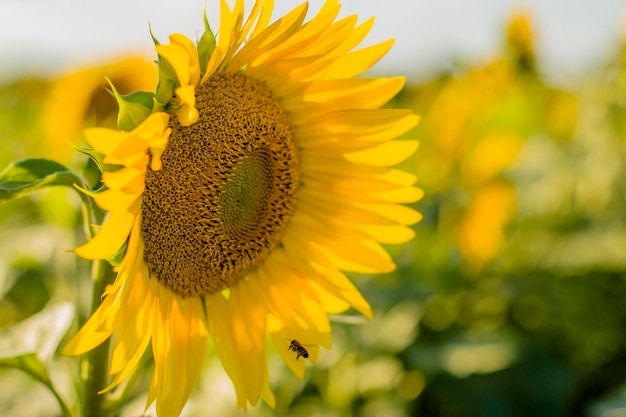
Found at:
[226, 192]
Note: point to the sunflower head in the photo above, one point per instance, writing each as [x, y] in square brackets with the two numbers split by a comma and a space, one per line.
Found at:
[245, 185]
[520, 39]
[221, 224]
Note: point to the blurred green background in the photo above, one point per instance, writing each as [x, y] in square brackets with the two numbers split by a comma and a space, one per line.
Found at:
[510, 301]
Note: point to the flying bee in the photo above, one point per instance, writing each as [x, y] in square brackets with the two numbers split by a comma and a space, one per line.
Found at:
[298, 349]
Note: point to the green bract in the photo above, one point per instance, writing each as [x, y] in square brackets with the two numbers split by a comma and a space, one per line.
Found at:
[134, 108]
[206, 45]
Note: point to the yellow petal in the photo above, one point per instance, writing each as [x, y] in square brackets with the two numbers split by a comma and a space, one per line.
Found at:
[388, 234]
[313, 40]
[104, 140]
[182, 55]
[350, 254]
[134, 336]
[227, 24]
[399, 213]
[187, 113]
[127, 180]
[116, 200]
[154, 126]
[365, 125]
[328, 277]
[129, 337]
[385, 154]
[99, 327]
[180, 344]
[346, 94]
[267, 7]
[281, 341]
[281, 278]
[399, 195]
[237, 326]
[363, 213]
[354, 39]
[356, 62]
[274, 34]
[282, 334]
[109, 239]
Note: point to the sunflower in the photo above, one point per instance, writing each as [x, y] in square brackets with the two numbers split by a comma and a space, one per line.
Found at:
[244, 187]
[78, 100]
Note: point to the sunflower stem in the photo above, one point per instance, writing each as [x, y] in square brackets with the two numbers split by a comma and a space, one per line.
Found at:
[96, 362]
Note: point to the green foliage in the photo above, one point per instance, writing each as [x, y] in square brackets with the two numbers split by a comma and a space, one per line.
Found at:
[29, 175]
[27, 295]
[133, 108]
[206, 45]
[30, 364]
[168, 81]
[27, 345]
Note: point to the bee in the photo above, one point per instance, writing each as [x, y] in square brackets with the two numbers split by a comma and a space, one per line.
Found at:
[298, 349]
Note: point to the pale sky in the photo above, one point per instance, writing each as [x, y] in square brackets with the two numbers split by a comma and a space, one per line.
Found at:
[46, 36]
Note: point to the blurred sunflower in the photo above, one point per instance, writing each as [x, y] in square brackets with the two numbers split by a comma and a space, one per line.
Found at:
[255, 175]
[520, 39]
[79, 100]
[476, 126]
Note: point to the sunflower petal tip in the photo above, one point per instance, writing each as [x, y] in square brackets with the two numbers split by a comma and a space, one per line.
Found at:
[187, 115]
[84, 252]
[69, 350]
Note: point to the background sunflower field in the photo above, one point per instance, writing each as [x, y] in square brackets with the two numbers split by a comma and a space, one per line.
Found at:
[510, 301]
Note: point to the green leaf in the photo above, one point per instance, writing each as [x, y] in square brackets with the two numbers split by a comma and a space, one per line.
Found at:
[30, 364]
[41, 333]
[206, 45]
[31, 343]
[28, 175]
[28, 294]
[134, 108]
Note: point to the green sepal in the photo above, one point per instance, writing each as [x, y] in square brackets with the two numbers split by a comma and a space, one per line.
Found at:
[206, 45]
[154, 39]
[98, 159]
[168, 81]
[165, 90]
[117, 259]
[167, 84]
[133, 108]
